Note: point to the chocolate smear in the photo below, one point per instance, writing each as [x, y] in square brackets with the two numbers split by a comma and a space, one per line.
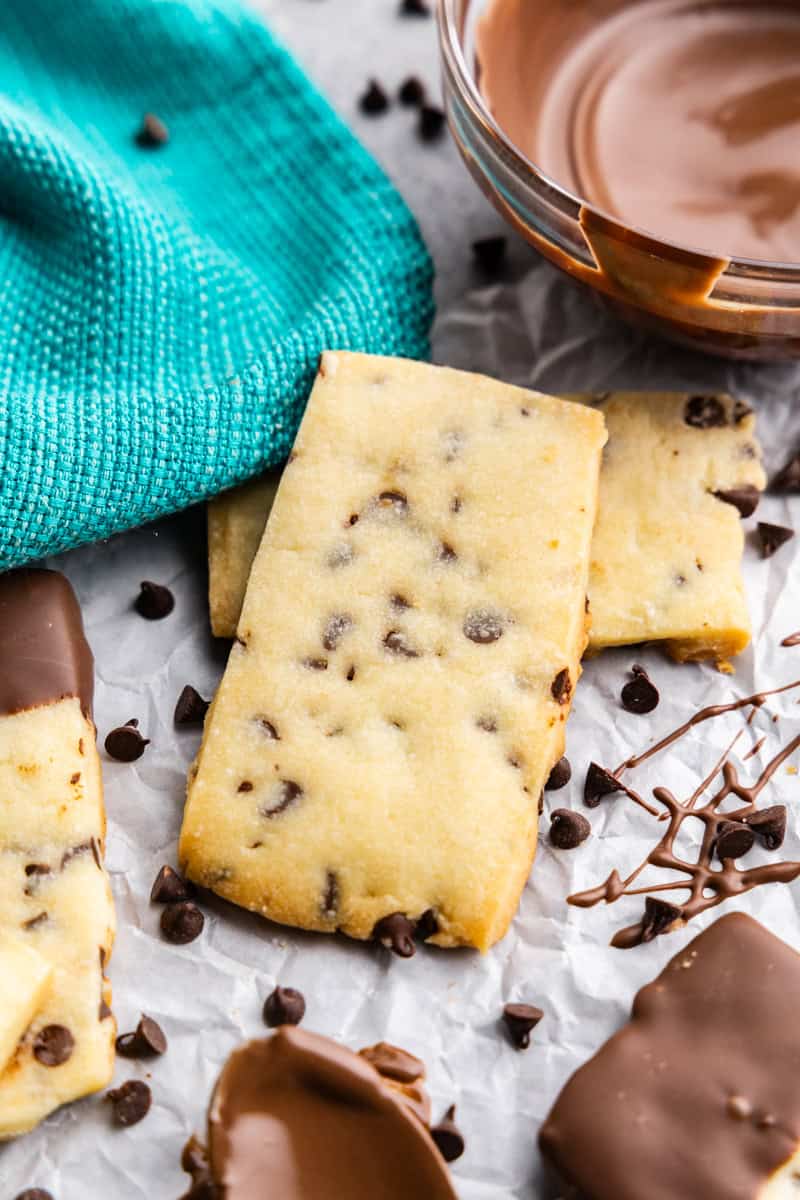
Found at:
[793, 639]
[191, 708]
[568, 829]
[520, 1020]
[398, 643]
[154, 601]
[126, 743]
[745, 498]
[182, 922]
[284, 1006]
[131, 1102]
[448, 1137]
[772, 537]
[396, 933]
[640, 694]
[170, 887]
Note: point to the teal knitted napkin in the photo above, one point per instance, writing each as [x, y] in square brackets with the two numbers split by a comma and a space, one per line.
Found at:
[162, 310]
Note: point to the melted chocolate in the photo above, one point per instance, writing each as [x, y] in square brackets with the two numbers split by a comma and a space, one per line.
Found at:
[707, 881]
[44, 654]
[697, 1096]
[300, 1117]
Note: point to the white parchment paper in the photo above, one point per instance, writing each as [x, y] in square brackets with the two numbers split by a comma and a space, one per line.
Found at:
[443, 1006]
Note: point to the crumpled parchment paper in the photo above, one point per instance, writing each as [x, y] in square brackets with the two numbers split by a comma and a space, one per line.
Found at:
[442, 1005]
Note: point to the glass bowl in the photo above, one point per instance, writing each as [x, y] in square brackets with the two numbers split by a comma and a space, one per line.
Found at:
[738, 307]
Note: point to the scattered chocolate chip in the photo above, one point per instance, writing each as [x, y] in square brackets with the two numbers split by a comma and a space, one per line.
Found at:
[35, 1194]
[561, 687]
[705, 412]
[146, 1041]
[245, 786]
[154, 601]
[427, 925]
[152, 133]
[330, 897]
[414, 8]
[131, 1102]
[53, 1045]
[520, 1020]
[560, 775]
[393, 1063]
[284, 794]
[769, 826]
[448, 1137]
[640, 694]
[170, 887]
[337, 625]
[483, 626]
[599, 783]
[191, 708]
[397, 642]
[733, 840]
[568, 829]
[411, 92]
[126, 743]
[374, 100]
[431, 123]
[284, 1006]
[316, 664]
[772, 537]
[182, 922]
[788, 478]
[745, 498]
[490, 255]
[396, 933]
[659, 916]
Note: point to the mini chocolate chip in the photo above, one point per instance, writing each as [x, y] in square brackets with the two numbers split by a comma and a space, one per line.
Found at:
[399, 601]
[53, 1045]
[170, 887]
[455, 504]
[414, 8]
[769, 826]
[330, 897]
[191, 708]
[659, 916]
[351, 674]
[284, 794]
[740, 411]
[788, 478]
[487, 724]
[640, 694]
[397, 642]
[131, 1102]
[561, 687]
[483, 626]
[35, 922]
[316, 664]
[284, 1006]
[34, 1194]
[568, 829]
[490, 258]
[411, 92]
[744, 497]
[152, 133]
[560, 775]
[374, 100]
[182, 922]
[394, 502]
[446, 553]
[147, 1040]
[396, 933]
[448, 1137]
[37, 869]
[772, 537]
[427, 925]
[431, 123]
[599, 783]
[520, 1020]
[268, 729]
[705, 412]
[154, 601]
[126, 743]
[245, 786]
[733, 840]
[337, 625]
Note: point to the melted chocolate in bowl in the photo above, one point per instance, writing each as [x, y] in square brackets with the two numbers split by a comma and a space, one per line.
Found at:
[680, 119]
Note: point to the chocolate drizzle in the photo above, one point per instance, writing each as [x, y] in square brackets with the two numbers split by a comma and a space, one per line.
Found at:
[44, 653]
[712, 878]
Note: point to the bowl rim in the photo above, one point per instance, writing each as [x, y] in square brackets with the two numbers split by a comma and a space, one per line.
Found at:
[452, 46]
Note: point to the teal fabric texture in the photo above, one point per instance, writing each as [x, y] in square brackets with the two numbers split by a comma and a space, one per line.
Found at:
[162, 309]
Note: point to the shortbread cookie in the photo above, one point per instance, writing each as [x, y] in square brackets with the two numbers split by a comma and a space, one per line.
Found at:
[24, 979]
[236, 521]
[667, 550]
[54, 893]
[697, 1096]
[406, 657]
[320, 1123]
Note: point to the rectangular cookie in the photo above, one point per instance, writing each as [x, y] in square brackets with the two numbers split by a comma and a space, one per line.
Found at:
[54, 893]
[236, 521]
[697, 1096]
[666, 557]
[405, 658]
